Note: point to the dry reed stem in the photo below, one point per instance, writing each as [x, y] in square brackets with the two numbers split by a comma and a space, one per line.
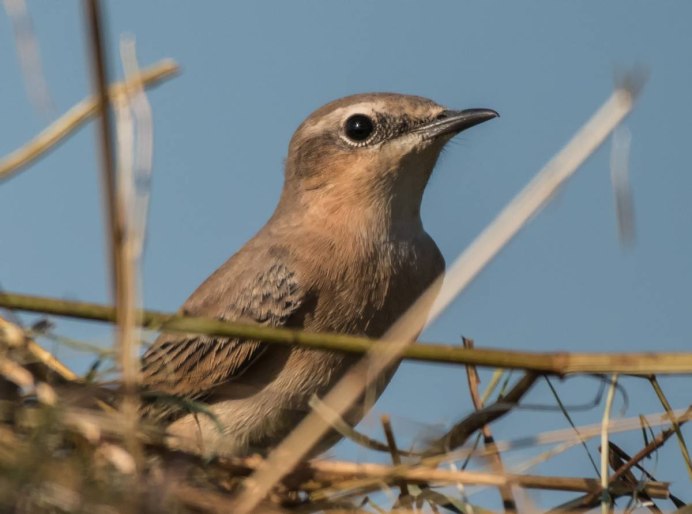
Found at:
[492, 384]
[138, 182]
[14, 336]
[508, 501]
[346, 392]
[74, 118]
[16, 373]
[133, 115]
[393, 451]
[329, 470]
[120, 258]
[128, 348]
[606, 500]
[558, 363]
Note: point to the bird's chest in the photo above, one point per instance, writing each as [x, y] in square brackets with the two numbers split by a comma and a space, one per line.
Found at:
[367, 291]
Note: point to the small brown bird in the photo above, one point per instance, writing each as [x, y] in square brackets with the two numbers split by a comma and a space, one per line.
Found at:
[345, 251]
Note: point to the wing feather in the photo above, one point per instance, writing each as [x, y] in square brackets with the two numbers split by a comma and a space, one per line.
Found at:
[190, 366]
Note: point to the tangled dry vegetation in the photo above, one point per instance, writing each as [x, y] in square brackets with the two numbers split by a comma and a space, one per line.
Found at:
[72, 443]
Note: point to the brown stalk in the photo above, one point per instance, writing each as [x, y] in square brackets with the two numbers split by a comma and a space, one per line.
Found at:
[41, 363]
[496, 465]
[122, 277]
[394, 452]
[331, 470]
[557, 363]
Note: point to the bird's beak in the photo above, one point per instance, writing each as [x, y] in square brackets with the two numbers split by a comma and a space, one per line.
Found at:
[453, 122]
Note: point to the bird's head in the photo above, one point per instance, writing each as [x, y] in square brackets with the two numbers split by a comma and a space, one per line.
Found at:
[371, 152]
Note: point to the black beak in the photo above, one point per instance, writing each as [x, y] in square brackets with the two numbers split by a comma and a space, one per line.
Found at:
[453, 122]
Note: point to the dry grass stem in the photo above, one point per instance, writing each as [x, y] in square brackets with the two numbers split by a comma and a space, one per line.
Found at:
[136, 176]
[74, 118]
[393, 451]
[123, 276]
[326, 470]
[494, 456]
[16, 374]
[606, 500]
[558, 363]
[42, 362]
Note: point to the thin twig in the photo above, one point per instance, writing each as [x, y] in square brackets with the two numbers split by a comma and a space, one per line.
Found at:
[139, 181]
[496, 465]
[329, 470]
[75, 117]
[567, 416]
[40, 362]
[120, 261]
[394, 452]
[557, 363]
[131, 120]
[114, 214]
[606, 500]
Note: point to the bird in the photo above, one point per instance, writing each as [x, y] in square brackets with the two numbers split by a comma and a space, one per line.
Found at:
[345, 251]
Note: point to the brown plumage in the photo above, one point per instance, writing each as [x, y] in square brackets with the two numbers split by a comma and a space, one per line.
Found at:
[345, 251]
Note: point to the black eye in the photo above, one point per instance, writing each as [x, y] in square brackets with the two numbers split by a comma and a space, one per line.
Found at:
[358, 127]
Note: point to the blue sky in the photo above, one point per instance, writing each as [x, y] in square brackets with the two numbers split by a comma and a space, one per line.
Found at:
[252, 72]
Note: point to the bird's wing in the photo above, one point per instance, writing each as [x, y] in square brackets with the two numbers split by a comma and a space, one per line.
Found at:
[190, 366]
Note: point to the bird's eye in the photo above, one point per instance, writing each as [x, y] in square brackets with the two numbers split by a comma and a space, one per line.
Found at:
[358, 127]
